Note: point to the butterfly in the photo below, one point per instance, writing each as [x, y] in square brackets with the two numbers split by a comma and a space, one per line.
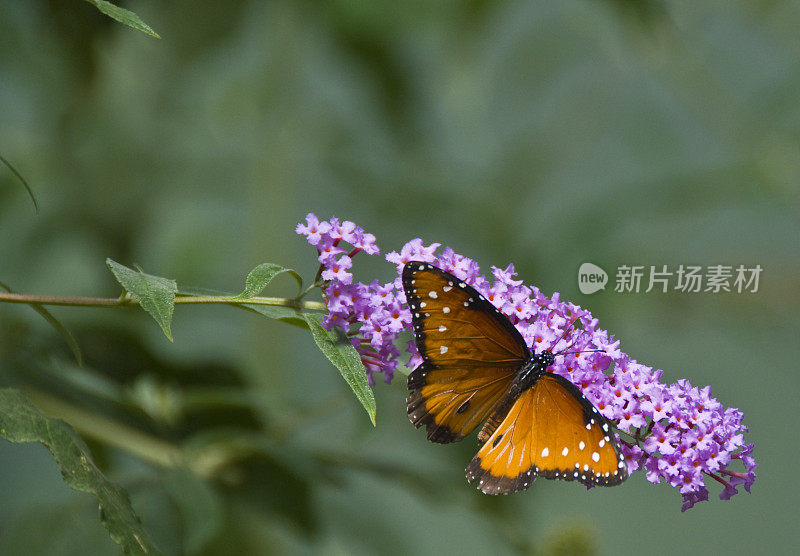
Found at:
[476, 367]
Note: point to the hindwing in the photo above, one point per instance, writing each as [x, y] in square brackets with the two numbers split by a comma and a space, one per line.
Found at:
[551, 431]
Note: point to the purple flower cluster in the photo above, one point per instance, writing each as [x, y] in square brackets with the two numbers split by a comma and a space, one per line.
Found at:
[677, 433]
[370, 314]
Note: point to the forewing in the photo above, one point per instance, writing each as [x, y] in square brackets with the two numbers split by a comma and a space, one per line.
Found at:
[470, 353]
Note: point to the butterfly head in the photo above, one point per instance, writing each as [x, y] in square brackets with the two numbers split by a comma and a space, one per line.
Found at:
[544, 359]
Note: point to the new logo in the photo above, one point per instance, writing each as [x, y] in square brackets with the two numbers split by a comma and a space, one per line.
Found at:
[591, 278]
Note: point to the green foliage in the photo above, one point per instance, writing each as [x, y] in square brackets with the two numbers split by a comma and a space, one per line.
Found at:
[124, 16]
[339, 351]
[334, 344]
[156, 295]
[540, 133]
[20, 421]
[260, 277]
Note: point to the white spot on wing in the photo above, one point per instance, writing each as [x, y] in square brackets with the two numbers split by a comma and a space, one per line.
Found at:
[432, 294]
[443, 349]
[565, 451]
[581, 446]
[442, 328]
[445, 310]
[595, 457]
[545, 452]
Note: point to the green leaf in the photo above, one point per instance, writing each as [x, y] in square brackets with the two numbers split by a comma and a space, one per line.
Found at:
[338, 349]
[124, 16]
[21, 421]
[260, 277]
[65, 333]
[156, 295]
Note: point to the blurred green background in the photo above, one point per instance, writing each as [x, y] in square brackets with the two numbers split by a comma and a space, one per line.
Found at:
[546, 134]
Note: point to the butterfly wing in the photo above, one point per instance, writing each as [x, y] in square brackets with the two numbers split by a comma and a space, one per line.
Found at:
[470, 353]
[551, 431]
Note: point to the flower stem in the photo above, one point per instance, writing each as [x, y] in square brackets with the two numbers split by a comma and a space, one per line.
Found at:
[55, 300]
[718, 479]
[180, 299]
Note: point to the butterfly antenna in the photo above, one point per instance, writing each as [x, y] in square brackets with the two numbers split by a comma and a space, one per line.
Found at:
[580, 351]
[564, 351]
[569, 325]
[570, 345]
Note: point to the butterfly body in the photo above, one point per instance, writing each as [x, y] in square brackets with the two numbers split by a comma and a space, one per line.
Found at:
[476, 367]
[533, 369]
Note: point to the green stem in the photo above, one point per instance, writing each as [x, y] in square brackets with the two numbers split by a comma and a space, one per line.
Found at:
[306, 291]
[204, 463]
[110, 432]
[181, 299]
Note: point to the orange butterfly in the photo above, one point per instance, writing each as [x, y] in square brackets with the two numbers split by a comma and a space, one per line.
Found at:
[475, 365]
